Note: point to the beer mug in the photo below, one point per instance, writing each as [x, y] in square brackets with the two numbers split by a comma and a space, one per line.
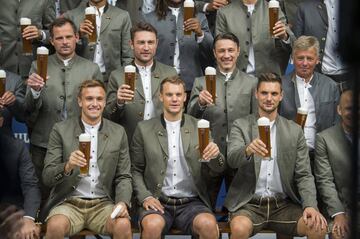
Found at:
[273, 15]
[264, 134]
[188, 12]
[130, 76]
[2, 82]
[203, 134]
[301, 117]
[27, 46]
[90, 14]
[210, 77]
[42, 61]
[84, 147]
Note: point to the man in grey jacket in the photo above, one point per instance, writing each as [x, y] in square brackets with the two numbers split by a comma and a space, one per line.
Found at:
[276, 192]
[51, 100]
[113, 30]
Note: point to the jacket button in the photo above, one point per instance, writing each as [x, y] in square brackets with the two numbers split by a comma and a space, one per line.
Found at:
[158, 185]
[61, 97]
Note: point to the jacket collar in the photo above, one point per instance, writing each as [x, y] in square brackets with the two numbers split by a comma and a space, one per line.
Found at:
[163, 123]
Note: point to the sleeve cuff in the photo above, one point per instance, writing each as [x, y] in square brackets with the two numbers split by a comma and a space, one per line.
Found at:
[287, 41]
[43, 35]
[28, 217]
[200, 39]
[35, 94]
[335, 214]
[205, 7]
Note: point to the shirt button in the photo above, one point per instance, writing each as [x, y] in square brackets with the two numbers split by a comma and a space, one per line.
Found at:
[174, 187]
[174, 174]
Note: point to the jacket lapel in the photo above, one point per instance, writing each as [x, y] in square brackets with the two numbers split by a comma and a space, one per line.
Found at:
[139, 85]
[155, 78]
[296, 95]
[105, 19]
[102, 142]
[185, 137]
[162, 137]
[257, 159]
[321, 7]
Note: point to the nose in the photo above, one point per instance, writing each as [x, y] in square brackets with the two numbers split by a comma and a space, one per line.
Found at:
[226, 54]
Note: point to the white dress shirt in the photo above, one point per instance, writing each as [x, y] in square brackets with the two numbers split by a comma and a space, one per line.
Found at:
[269, 182]
[307, 102]
[90, 187]
[145, 74]
[57, 8]
[331, 62]
[250, 69]
[99, 53]
[178, 181]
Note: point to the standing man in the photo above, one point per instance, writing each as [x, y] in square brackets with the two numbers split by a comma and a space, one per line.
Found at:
[55, 100]
[278, 192]
[320, 18]
[305, 88]
[168, 177]
[113, 25]
[41, 13]
[249, 21]
[87, 202]
[189, 55]
[235, 91]
[128, 107]
[333, 152]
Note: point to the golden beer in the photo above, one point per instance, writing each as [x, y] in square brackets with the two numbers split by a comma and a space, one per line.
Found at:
[301, 117]
[2, 82]
[42, 61]
[130, 76]
[188, 12]
[273, 15]
[210, 78]
[84, 147]
[264, 134]
[90, 14]
[27, 46]
[203, 134]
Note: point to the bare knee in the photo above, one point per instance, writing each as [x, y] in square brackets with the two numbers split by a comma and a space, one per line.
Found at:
[121, 228]
[152, 226]
[205, 226]
[311, 232]
[57, 226]
[241, 227]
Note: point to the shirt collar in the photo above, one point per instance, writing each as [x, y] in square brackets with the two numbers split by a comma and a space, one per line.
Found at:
[91, 127]
[302, 80]
[144, 68]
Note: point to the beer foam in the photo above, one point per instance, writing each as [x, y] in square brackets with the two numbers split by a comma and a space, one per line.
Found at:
[263, 121]
[84, 137]
[189, 3]
[130, 69]
[210, 71]
[25, 21]
[90, 10]
[2, 74]
[273, 4]
[203, 124]
[302, 110]
[42, 51]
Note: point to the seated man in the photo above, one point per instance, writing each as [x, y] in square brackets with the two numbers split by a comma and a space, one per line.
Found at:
[87, 202]
[333, 152]
[276, 192]
[168, 177]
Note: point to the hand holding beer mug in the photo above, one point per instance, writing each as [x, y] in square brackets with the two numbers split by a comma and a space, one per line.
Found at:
[89, 25]
[264, 134]
[42, 62]
[84, 147]
[26, 42]
[125, 92]
[301, 117]
[206, 149]
[188, 13]
[277, 28]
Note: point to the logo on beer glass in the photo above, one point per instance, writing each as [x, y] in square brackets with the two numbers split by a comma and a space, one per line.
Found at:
[273, 15]
[301, 117]
[42, 61]
[188, 12]
[2, 82]
[130, 76]
[264, 134]
[26, 44]
[203, 134]
[90, 14]
[210, 77]
[84, 147]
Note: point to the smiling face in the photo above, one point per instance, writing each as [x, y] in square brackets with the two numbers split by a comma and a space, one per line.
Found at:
[144, 46]
[226, 53]
[92, 102]
[305, 62]
[64, 41]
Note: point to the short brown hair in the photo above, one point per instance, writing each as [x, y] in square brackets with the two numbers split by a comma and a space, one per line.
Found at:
[172, 80]
[89, 84]
[142, 26]
[59, 22]
[226, 36]
[268, 77]
[304, 43]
